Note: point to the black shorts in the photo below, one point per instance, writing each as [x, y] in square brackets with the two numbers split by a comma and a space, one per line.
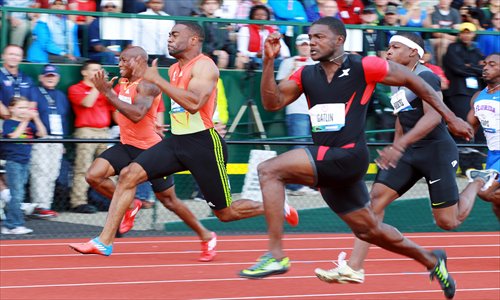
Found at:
[437, 162]
[203, 153]
[120, 156]
[339, 173]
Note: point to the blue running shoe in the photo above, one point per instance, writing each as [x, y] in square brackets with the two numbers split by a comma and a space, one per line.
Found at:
[266, 265]
[93, 246]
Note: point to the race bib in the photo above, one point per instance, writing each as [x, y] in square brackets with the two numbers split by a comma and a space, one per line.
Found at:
[125, 99]
[55, 123]
[471, 83]
[399, 102]
[176, 108]
[327, 117]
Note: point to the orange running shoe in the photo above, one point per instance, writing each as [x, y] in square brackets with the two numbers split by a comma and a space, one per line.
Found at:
[128, 219]
[292, 216]
[208, 249]
[93, 246]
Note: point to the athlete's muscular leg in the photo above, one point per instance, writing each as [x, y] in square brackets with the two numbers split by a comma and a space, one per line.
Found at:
[451, 217]
[169, 199]
[367, 227]
[98, 177]
[380, 196]
[240, 209]
[124, 194]
[290, 167]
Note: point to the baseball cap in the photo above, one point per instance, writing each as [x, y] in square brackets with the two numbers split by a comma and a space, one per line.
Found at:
[50, 70]
[301, 39]
[369, 10]
[467, 26]
[391, 9]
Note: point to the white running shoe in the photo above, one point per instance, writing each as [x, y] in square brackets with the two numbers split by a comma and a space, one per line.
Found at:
[17, 230]
[342, 273]
[488, 176]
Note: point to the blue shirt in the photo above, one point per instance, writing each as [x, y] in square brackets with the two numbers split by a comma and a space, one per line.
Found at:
[59, 105]
[489, 44]
[18, 152]
[22, 85]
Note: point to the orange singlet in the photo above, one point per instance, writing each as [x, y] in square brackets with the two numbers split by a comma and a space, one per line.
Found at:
[182, 122]
[141, 134]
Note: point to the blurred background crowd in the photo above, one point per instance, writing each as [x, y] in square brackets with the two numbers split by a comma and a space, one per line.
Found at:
[52, 39]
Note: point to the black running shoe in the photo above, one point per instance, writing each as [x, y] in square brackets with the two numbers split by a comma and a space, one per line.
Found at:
[441, 273]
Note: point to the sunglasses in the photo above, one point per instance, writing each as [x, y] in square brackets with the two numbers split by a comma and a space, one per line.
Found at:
[109, 6]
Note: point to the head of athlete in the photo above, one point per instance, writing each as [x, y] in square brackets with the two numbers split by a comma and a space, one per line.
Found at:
[491, 70]
[406, 48]
[327, 36]
[132, 59]
[185, 40]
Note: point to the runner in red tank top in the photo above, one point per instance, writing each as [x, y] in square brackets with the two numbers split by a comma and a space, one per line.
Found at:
[137, 105]
[194, 146]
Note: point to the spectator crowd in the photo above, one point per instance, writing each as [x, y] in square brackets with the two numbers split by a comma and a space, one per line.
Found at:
[37, 108]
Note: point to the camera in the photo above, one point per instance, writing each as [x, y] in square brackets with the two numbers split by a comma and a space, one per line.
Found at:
[473, 12]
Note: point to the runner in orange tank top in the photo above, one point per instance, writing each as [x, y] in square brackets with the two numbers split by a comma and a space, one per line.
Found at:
[137, 104]
[194, 145]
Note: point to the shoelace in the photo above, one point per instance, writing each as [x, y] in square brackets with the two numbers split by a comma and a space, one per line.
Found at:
[264, 260]
[340, 263]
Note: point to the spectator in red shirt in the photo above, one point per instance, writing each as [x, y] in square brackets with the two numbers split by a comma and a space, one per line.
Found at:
[92, 120]
[349, 11]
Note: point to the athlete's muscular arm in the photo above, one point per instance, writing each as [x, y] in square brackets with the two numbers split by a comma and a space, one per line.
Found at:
[390, 155]
[399, 75]
[204, 77]
[423, 127]
[146, 92]
[275, 97]
[471, 118]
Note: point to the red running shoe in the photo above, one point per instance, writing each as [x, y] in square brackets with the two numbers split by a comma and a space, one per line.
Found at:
[93, 246]
[208, 249]
[128, 219]
[292, 216]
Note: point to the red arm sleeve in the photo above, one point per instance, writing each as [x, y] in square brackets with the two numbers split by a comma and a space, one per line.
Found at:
[375, 68]
[297, 77]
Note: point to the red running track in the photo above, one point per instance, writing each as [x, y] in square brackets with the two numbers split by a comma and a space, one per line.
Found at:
[167, 268]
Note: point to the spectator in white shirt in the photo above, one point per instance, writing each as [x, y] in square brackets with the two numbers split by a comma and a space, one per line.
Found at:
[156, 40]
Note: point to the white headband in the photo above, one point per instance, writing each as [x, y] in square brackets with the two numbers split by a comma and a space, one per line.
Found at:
[406, 41]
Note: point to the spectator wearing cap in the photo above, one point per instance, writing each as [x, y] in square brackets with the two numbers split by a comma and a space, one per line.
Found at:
[106, 51]
[55, 38]
[374, 41]
[462, 67]
[297, 112]
[350, 10]
[55, 112]
[155, 42]
[391, 18]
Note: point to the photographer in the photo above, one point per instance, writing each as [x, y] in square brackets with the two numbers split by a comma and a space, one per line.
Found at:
[471, 13]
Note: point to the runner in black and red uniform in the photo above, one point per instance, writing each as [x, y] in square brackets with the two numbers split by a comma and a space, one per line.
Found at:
[338, 91]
